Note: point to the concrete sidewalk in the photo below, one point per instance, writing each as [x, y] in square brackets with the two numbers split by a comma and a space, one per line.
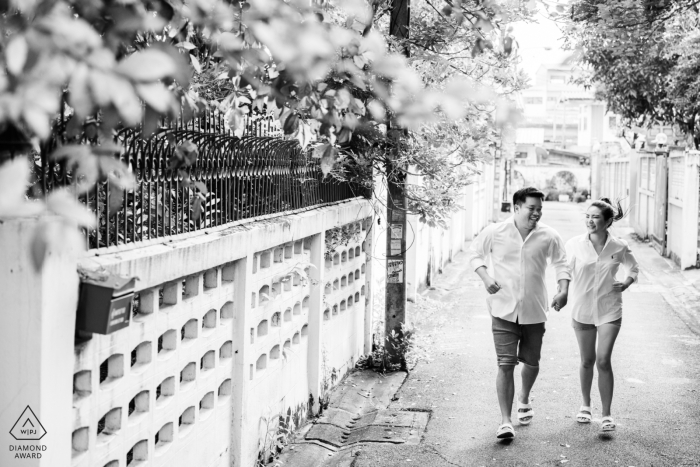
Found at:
[656, 364]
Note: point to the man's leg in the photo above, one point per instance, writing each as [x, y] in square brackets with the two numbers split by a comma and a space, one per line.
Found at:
[505, 337]
[505, 387]
[528, 375]
[529, 356]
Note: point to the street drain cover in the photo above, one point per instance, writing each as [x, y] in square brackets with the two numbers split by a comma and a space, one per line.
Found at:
[383, 426]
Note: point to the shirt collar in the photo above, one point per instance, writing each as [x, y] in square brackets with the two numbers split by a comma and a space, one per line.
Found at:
[585, 238]
[511, 220]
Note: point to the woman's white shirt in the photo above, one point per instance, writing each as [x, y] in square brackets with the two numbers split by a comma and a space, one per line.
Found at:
[591, 293]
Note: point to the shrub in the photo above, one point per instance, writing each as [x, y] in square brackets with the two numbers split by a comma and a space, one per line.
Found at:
[552, 195]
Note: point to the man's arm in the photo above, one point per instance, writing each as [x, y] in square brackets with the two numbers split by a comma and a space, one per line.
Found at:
[478, 251]
[561, 266]
[489, 282]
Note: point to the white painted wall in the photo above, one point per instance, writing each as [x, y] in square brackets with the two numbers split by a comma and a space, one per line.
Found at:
[225, 396]
[235, 376]
[36, 343]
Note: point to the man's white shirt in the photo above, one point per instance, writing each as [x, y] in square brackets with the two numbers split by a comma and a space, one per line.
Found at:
[518, 266]
[593, 299]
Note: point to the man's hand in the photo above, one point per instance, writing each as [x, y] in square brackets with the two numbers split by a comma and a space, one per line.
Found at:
[560, 300]
[491, 285]
[489, 282]
[622, 286]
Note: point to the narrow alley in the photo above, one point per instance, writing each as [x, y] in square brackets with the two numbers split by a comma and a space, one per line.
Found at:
[656, 403]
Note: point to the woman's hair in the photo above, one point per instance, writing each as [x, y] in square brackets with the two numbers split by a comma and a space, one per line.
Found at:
[609, 212]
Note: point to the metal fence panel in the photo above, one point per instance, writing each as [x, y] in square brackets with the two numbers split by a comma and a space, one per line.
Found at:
[256, 175]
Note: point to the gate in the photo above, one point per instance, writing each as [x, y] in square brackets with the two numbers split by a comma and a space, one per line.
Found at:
[658, 223]
[643, 224]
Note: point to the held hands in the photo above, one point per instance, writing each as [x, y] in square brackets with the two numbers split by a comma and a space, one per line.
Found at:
[560, 300]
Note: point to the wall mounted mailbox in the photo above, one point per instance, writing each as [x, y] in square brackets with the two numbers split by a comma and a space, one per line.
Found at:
[105, 304]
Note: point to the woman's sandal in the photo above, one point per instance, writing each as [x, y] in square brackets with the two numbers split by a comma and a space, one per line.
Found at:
[607, 424]
[525, 413]
[505, 431]
[584, 415]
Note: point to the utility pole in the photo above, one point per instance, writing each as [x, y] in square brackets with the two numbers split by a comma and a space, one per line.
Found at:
[395, 312]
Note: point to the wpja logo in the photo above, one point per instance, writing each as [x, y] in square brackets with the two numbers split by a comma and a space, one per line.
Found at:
[28, 428]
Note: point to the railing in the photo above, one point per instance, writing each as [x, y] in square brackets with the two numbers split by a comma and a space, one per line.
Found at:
[256, 175]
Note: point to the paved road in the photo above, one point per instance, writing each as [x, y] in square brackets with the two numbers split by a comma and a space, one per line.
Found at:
[657, 395]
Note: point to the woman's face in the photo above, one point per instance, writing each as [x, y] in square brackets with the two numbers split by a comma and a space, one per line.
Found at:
[595, 222]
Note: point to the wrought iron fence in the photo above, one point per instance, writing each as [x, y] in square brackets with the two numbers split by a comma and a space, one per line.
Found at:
[256, 175]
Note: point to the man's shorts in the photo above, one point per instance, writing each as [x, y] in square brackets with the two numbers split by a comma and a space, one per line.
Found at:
[517, 342]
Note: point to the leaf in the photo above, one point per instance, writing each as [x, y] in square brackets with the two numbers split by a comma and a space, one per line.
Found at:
[197, 208]
[156, 95]
[195, 63]
[37, 120]
[201, 187]
[151, 121]
[116, 200]
[63, 203]
[16, 54]
[80, 159]
[319, 151]
[147, 65]
[117, 172]
[187, 152]
[14, 179]
[291, 124]
[328, 160]
[186, 45]
[344, 136]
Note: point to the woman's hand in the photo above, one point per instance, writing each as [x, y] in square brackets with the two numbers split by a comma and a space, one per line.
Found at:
[622, 286]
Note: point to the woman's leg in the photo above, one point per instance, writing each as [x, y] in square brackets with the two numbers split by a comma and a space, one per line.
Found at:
[607, 333]
[586, 345]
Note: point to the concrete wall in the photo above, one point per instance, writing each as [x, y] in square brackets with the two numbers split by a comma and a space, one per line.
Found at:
[232, 327]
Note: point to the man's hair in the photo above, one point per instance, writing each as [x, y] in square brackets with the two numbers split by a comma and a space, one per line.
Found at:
[530, 192]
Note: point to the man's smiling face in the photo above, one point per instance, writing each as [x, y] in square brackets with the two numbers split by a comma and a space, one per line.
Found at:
[529, 213]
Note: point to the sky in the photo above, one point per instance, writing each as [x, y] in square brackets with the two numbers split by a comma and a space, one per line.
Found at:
[539, 42]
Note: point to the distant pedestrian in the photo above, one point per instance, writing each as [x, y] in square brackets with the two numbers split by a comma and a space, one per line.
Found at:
[517, 251]
[596, 297]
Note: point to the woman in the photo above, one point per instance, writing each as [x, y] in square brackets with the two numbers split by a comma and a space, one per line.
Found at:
[596, 297]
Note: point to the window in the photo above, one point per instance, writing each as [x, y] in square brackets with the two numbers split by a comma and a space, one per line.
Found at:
[533, 100]
[612, 123]
[557, 79]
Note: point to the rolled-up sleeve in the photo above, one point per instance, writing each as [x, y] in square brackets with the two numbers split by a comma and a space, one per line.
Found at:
[557, 255]
[480, 248]
[630, 263]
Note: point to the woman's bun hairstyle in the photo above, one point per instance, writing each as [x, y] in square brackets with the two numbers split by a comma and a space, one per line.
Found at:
[610, 212]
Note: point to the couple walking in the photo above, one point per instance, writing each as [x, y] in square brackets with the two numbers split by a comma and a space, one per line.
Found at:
[510, 257]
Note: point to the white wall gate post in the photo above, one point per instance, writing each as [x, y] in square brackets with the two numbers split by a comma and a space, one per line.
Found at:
[689, 249]
[36, 344]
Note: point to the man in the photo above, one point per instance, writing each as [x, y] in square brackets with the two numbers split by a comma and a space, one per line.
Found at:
[518, 250]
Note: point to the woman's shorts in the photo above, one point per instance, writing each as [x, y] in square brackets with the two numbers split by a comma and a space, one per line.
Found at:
[588, 327]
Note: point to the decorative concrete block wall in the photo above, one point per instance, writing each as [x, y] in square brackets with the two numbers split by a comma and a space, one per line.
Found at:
[232, 328]
[227, 335]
